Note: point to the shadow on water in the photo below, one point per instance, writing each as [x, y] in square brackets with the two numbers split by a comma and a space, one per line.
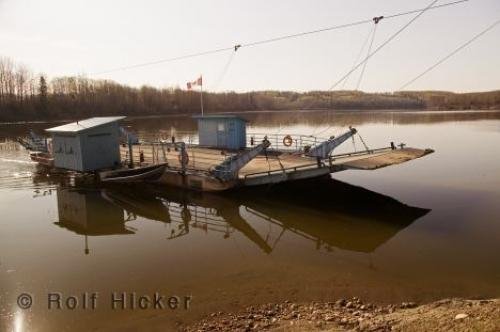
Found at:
[329, 213]
[333, 213]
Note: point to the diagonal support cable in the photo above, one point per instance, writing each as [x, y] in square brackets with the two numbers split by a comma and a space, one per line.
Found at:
[366, 62]
[365, 42]
[461, 47]
[388, 40]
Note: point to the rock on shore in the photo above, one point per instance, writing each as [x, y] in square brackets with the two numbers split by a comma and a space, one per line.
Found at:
[354, 315]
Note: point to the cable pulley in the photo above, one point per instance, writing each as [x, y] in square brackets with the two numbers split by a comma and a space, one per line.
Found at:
[377, 19]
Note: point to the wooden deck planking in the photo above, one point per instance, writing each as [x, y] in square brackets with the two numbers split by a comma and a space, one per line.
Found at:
[392, 157]
[204, 159]
[272, 163]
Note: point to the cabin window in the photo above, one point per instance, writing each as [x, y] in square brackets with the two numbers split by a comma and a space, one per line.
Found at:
[99, 135]
[221, 126]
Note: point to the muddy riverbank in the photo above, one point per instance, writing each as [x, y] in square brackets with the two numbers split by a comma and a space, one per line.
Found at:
[355, 315]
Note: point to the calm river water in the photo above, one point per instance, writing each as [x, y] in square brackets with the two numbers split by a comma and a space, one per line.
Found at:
[418, 231]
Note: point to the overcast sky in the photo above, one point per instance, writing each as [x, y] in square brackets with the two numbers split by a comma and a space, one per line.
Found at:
[70, 37]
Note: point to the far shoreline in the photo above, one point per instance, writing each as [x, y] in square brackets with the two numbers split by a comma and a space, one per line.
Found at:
[176, 115]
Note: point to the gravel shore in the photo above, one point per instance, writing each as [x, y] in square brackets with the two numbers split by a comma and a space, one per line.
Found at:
[354, 315]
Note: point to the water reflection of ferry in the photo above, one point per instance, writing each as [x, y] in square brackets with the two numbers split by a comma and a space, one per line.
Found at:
[86, 213]
[262, 218]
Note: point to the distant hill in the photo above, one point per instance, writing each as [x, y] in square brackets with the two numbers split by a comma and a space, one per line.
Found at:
[445, 100]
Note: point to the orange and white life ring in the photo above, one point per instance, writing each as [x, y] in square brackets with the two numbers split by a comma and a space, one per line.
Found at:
[287, 140]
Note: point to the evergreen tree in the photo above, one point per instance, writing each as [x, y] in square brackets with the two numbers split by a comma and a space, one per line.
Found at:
[43, 95]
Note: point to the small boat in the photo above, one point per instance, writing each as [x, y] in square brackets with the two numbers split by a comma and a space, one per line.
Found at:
[42, 158]
[132, 175]
[34, 142]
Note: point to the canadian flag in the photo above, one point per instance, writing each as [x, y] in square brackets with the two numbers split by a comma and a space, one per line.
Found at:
[196, 82]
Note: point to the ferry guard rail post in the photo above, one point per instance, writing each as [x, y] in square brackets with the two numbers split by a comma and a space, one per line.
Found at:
[183, 156]
[130, 152]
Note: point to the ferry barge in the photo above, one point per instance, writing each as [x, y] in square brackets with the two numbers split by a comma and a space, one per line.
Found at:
[223, 157]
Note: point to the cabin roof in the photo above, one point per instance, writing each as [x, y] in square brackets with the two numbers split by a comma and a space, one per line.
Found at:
[79, 126]
[218, 116]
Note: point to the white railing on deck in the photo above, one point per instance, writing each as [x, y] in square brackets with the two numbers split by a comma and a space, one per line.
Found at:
[299, 142]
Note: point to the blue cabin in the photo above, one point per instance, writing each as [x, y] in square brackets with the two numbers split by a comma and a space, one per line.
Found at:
[87, 145]
[222, 131]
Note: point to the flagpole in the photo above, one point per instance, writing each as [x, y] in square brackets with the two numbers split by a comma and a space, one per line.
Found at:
[201, 96]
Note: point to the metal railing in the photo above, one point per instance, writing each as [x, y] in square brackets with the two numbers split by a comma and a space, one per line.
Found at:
[203, 160]
[297, 142]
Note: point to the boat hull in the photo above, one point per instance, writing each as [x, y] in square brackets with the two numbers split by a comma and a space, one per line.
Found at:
[135, 175]
[43, 159]
[195, 181]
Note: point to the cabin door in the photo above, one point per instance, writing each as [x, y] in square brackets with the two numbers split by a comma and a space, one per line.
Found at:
[71, 156]
[231, 135]
[221, 134]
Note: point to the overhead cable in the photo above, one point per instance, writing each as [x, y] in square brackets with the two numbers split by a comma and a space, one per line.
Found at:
[461, 47]
[270, 40]
[388, 40]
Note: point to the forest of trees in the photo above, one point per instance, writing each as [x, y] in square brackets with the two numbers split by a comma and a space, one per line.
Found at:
[28, 96]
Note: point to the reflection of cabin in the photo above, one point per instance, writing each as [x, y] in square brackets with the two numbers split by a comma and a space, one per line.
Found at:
[222, 131]
[87, 213]
[87, 145]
